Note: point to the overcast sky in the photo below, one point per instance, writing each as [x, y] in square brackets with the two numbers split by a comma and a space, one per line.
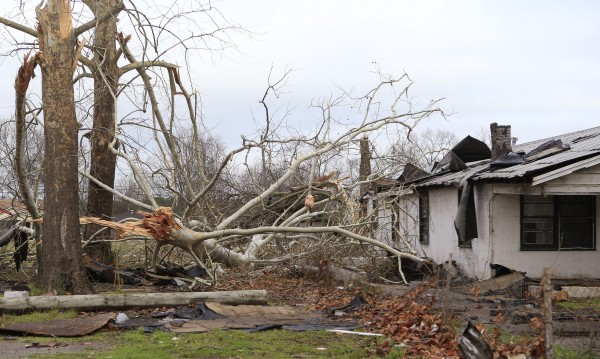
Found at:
[532, 64]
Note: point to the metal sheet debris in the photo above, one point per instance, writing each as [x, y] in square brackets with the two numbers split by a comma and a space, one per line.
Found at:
[253, 318]
[472, 344]
[352, 306]
[62, 328]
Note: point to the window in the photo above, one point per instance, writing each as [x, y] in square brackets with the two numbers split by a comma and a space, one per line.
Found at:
[558, 222]
[375, 215]
[424, 217]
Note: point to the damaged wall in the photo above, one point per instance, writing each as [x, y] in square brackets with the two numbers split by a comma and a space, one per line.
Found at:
[499, 239]
[443, 239]
[499, 228]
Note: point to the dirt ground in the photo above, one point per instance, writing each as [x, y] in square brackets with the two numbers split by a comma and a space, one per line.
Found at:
[10, 347]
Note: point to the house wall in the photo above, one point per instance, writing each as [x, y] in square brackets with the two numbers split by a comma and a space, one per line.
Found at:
[408, 216]
[506, 227]
[499, 229]
[443, 241]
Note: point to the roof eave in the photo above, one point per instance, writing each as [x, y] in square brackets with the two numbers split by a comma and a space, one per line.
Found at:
[566, 170]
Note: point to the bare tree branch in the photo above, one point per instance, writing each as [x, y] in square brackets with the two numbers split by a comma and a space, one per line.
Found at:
[112, 12]
[20, 27]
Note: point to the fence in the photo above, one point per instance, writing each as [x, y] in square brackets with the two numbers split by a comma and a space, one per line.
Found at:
[565, 311]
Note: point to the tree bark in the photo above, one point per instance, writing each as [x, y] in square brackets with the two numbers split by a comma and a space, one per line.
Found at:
[24, 76]
[61, 266]
[130, 300]
[102, 160]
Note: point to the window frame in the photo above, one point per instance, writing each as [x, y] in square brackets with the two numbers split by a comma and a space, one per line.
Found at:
[557, 222]
[424, 232]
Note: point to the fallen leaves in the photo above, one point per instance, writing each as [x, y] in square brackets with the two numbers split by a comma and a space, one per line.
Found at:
[411, 321]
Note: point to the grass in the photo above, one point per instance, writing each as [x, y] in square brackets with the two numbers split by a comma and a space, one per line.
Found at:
[587, 349]
[591, 303]
[231, 344]
[54, 314]
[569, 353]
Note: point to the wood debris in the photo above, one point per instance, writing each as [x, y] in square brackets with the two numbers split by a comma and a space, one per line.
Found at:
[157, 225]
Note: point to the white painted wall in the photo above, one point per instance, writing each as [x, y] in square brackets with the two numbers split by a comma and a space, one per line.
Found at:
[443, 241]
[506, 243]
[499, 226]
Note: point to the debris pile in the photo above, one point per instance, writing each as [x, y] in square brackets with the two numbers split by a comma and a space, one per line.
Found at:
[411, 322]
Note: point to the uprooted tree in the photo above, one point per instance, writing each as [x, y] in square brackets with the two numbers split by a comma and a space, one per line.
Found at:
[284, 194]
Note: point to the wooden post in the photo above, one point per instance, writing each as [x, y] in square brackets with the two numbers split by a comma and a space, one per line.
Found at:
[447, 284]
[547, 311]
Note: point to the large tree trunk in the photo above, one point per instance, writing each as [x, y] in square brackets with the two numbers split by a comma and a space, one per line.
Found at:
[103, 161]
[131, 300]
[61, 266]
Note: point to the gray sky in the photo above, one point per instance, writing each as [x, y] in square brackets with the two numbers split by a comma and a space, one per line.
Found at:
[532, 64]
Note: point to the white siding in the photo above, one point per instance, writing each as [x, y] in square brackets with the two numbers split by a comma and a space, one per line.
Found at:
[585, 181]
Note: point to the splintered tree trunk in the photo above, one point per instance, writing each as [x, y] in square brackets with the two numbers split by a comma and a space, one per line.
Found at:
[103, 161]
[61, 266]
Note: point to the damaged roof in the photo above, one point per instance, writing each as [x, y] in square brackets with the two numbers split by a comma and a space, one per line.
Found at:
[550, 154]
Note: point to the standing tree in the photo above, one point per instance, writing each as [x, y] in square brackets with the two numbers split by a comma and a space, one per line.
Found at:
[60, 267]
[61, 260]
[103, 161]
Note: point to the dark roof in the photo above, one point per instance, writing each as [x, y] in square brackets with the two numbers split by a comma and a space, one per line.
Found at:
[470, 149]
[572, 148]
[412, 173]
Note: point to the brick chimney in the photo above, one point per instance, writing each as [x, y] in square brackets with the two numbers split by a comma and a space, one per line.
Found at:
[501, 140]
[364, 170]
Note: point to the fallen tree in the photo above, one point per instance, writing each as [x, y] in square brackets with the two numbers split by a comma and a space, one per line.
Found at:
[297, 188]
[322, 213]
[130, 300]
[164, 228]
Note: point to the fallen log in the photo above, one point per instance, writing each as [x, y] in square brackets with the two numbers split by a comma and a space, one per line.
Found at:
[129, 300]
[333, 274]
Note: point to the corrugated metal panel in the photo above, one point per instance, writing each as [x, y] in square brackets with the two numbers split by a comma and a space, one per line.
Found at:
[450, 178]
[582, 144]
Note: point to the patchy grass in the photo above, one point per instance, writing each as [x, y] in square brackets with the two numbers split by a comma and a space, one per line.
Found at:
[584, 348]
[232, 344]
[591, 303]
[568, 353]
[54, 314]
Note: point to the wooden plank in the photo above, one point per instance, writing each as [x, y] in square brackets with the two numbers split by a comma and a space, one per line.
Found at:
[577, 179]
[563, 171]
[129, 300]
[501, 188]
[571, 189]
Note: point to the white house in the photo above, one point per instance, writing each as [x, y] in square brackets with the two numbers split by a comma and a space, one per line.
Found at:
[524, 207]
